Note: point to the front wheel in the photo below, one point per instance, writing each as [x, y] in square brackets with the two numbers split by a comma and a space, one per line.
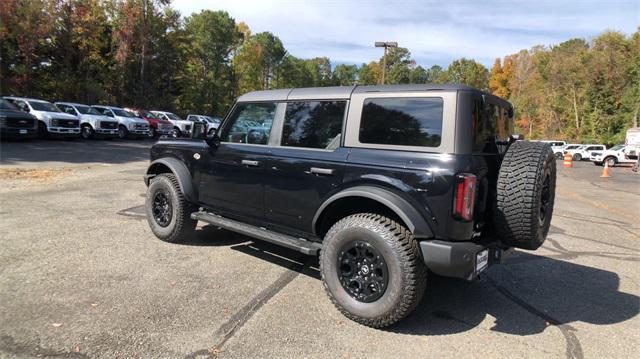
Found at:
[372, 269]
[123, 132]
[168, 211]
[86, 132]
[577, 157]
[176, 132]
[610, 161]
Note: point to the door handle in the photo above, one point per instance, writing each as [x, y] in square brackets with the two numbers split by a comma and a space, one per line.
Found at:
[250, 163]
[322, 171]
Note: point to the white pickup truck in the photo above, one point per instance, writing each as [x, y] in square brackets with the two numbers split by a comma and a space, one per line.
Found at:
[584, 152]
[620, 154]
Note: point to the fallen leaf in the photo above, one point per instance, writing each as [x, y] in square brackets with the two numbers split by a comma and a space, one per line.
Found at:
[93, 305]
[77, 349]
[57, 324]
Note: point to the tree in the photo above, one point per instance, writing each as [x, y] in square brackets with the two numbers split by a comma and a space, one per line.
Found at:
[257, 61]
[345, 75]
[370, 74]
[467, 72]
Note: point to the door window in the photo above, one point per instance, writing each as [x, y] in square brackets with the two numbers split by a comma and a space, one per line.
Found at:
[250, 123]
[313, 124]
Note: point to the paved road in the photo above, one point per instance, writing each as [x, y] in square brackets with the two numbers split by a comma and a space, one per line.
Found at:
[81, 275]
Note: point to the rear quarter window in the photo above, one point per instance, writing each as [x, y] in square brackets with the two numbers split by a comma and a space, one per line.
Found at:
[402, 121]
[491, 126]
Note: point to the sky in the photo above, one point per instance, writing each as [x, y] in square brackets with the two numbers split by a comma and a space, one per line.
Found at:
[435, 32]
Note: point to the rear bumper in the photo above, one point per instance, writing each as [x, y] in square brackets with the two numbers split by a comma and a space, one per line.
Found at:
[460, 259]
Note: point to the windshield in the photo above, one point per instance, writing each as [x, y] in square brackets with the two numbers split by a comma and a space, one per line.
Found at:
[572, 147]
[6, 105]
[44, 106]
[148, 114]
[616, 148]
[173, 117]
[86, 110]
[121, 113]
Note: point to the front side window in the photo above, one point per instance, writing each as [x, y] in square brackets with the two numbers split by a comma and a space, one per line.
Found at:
[402, 121]
[250, 123]
[104, 111]
[122, 113]
[313, 124]
[86, 110]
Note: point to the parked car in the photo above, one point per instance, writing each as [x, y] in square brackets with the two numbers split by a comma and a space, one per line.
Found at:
[620, 154]
[92, 123]
[211, 122]
[557, 147]
[128, 124]
[584, 151]
[181, 128]
[157, 126]
[16, 124]
[384, 182]
[51, 121]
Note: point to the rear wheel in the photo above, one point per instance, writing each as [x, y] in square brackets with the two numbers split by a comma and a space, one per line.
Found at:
[577, 157]
[168, 211]
[525, 195]
[559, 156]
[372, 269]
[610, 161]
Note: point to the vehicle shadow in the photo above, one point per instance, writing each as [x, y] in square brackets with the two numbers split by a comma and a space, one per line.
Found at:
[525, 295]
[73, 151]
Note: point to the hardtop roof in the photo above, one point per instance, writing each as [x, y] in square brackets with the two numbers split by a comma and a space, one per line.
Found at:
[345, 92]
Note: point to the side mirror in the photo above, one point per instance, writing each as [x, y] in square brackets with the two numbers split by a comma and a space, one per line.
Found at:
[212, 138]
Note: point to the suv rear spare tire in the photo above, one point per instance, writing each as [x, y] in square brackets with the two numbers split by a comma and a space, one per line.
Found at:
[372, 269]
[525, 195]
[168, 212]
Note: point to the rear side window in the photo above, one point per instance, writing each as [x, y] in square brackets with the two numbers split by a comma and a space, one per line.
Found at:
[402, 121]
[250, 123]
[313, 124]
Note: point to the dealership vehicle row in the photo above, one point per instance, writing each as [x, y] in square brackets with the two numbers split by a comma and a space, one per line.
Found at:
[24, 117]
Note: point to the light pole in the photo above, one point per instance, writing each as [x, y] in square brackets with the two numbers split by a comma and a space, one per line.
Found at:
[385, 44]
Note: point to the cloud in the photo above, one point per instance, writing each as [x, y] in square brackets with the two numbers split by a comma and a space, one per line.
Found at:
[434, 32]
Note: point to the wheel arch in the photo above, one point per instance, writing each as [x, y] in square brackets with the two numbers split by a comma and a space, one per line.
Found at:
[369, 199]
[178, 169]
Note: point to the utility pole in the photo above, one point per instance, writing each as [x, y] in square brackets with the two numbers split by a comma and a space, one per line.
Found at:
[385, 44]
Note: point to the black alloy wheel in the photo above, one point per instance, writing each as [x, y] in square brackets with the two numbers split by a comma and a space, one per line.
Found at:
[362, 271]
[162, 208]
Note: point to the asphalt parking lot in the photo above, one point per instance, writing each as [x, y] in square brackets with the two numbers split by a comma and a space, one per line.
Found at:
[81, 275]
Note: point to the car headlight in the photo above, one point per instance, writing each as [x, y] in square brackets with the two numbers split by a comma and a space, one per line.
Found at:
[132, 125]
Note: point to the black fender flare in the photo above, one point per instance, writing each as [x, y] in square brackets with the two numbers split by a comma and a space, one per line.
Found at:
[401, 207]
[179, 169]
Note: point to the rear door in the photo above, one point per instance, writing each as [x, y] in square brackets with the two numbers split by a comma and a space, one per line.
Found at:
[307, 165]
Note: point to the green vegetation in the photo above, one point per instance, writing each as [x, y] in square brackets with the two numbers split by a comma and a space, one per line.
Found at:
[143, 53]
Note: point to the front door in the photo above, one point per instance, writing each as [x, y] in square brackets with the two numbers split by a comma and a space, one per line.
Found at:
[232, 174]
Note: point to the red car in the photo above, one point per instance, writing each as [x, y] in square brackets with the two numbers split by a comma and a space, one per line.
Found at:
[157, 126]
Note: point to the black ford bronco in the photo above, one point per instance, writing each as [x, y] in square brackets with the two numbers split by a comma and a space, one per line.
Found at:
[386, 183]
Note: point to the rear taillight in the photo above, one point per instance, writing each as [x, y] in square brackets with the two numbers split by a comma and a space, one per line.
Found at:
[465, 196]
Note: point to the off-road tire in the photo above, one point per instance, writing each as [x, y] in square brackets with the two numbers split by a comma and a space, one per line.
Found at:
[407, 273]
[181, 226]
[520, 196]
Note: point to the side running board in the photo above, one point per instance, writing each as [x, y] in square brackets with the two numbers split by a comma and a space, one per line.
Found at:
[298, 244]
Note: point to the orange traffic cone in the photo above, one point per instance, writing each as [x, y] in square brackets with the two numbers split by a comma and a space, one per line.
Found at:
[605, 171]
[568, 161]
